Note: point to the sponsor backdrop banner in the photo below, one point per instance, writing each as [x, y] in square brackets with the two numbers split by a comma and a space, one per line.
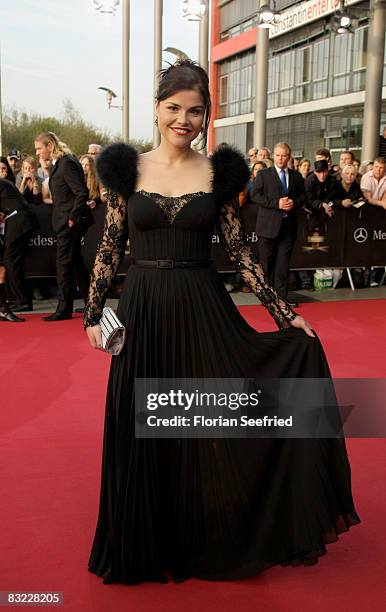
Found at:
[352, 238]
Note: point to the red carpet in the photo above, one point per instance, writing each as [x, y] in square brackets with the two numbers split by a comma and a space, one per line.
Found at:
[51, 435]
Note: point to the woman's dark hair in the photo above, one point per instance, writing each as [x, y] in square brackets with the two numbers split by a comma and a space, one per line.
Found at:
[258, 163]
[10, 175]
[186, 74]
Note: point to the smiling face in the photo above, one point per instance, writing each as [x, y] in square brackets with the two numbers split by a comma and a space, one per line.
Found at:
[181, 117]
[305, 167]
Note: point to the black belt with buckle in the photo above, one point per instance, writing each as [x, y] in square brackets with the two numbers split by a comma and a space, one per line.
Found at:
[169, 264]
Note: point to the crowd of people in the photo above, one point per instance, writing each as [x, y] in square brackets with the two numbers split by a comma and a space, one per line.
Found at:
[279, 184]
[56, 178]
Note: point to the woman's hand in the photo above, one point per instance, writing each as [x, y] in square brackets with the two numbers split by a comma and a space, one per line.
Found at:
[327, 209]
[95, 336]
[301, 323]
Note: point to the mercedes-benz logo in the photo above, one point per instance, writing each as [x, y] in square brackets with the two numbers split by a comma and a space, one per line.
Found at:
[360, 234]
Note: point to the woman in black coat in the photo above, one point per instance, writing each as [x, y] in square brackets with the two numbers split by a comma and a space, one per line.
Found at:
[348, 189]
[18, 231]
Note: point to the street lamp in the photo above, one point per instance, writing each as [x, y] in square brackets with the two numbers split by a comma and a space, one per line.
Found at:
[108, 7]
[177, 52]
[194, 10]
[198, 10]
[109, 97]
[267, 16]
[342, 21]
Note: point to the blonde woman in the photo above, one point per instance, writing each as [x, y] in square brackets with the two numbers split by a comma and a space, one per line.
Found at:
[29, 183]
[87, 163]
[70, 219]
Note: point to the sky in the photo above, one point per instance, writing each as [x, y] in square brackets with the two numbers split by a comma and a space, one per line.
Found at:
[52, 50]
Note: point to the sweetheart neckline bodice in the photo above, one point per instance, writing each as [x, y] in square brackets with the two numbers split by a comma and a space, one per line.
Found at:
[167, 197]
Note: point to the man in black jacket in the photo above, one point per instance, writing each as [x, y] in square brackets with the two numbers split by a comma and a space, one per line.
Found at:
[321, 193]
[70, 220]
[19, 228]
[279, 192]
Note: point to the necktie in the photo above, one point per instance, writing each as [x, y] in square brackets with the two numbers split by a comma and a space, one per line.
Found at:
[284, 181]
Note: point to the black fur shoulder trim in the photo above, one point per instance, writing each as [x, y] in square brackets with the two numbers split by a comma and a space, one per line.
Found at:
[116, 167]
[230, 173]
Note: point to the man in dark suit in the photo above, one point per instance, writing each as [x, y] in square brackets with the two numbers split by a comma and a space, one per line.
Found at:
[70, 220]
[18, 230]
[279, 192]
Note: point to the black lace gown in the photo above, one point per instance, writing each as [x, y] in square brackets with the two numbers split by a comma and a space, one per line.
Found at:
[213, 509]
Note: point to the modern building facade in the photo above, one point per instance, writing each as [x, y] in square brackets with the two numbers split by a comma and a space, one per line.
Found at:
[316, 77]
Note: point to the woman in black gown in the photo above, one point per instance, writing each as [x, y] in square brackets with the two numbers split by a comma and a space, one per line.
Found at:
[213, 509]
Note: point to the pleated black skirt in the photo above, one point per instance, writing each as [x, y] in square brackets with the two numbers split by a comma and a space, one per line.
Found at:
[216, 509]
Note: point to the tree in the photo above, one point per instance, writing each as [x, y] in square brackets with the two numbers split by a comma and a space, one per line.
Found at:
[21, 128]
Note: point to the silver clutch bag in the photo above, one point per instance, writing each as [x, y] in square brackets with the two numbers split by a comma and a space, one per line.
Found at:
[113, 332]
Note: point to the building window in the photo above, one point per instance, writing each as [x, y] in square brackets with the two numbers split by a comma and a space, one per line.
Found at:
[303, 74]
[247, 25]
[234, 91]
[341, 68]
[320, 59]
[273, 82]
[245, 89]
[223, 90]
[236, 85]
[359, 58]
[384, 67]
[287, 78]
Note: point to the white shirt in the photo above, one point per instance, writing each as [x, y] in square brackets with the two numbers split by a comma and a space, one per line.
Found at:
[278, 170]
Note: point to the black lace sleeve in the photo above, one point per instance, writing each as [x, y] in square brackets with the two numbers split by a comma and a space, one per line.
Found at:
[232, 234]
[110, 251]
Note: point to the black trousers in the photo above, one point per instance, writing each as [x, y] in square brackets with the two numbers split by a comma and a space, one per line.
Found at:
[70, 268]
[275, 255]
[14, 259]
